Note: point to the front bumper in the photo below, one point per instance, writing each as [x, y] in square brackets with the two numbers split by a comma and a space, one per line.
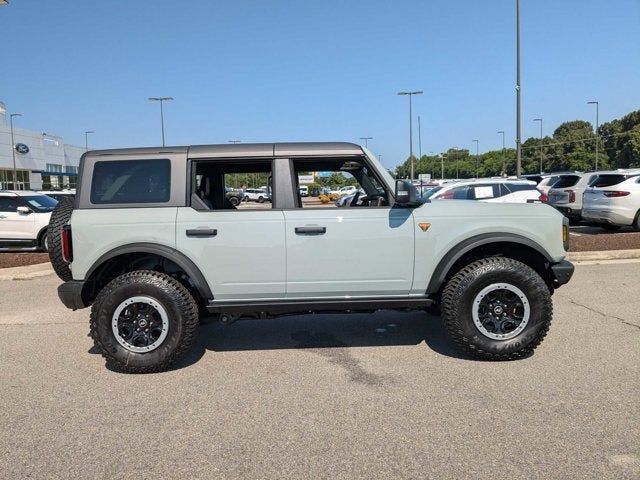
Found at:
[70, 294]
[562, 272]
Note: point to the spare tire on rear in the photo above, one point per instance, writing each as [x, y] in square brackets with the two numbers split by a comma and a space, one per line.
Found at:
[59, 218]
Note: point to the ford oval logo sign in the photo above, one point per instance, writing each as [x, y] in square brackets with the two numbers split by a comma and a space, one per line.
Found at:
[22, 148]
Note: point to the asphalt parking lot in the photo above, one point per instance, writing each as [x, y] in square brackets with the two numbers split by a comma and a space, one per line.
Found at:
[328, 396]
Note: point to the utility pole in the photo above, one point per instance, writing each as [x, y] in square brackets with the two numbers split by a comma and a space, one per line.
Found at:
[161, 100]
[596, 132]
[503, 150]
[477, 142]
[366, 141]
[419, 139]
[86, 139]
[410, 94]
[540, 120]
[518, 132]
[13, 151]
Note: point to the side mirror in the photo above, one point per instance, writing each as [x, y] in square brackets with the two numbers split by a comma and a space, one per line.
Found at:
[406, 193]
[23, 210]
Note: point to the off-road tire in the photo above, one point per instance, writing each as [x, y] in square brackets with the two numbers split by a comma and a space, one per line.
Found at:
[181, 309]
[461, 290]
[59, 218]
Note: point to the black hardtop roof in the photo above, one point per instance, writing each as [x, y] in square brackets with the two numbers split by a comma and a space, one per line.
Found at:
[230, 150]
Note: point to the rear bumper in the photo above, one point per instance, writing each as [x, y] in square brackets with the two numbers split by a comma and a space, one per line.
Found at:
[612, 216]
[562, 272]
[70, 294]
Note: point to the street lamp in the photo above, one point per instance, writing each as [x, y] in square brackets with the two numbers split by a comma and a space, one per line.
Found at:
[518, 132]
[477, 142]
[442, 156]
[161, 100]
[540, 120]
[13, 151]
[410, 94]
[86, 139]
[366, 139]
[457, 169]
[596, 132]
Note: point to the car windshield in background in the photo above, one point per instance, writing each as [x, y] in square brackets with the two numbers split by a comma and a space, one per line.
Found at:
[41, 203]
[608, 180]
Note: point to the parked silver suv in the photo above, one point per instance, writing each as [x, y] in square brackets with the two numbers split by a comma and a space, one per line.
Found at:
[152, 240]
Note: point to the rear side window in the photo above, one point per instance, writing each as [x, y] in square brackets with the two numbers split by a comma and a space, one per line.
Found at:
[131, 181]
[480, 192]
[8, 204]
[607, 180]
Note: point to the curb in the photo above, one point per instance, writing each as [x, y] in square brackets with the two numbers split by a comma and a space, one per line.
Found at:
[603, 255]
[27, 272]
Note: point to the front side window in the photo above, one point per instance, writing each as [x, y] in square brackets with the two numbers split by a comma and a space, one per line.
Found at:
[131, 181]
[338, 182]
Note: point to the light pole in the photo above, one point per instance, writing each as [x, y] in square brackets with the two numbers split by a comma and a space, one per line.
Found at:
[540, 120]
[13, 151]
[161, 100]
[442, 165]
[366, 141]
[457, 169]
[411, 94]
[596, 132]
[477, 142]
[86, 139]
[503, 151]
[518, 132]
[419, 139]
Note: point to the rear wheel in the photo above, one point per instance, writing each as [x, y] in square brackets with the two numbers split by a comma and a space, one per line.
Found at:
[143, 321]
[497, 309]
[260, 199]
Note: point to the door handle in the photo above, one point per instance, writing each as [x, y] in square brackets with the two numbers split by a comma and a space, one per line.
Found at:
[202, 232]
[311, 230]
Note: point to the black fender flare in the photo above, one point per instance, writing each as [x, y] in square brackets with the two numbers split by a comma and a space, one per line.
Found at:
[453, 255]
[169, 253]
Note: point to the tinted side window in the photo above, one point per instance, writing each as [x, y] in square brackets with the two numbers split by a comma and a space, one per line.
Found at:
[461, 193]
[607, 180]
[131, 181]
[8, 204]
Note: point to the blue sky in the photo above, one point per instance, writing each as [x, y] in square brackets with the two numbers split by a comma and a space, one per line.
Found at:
[314, 70]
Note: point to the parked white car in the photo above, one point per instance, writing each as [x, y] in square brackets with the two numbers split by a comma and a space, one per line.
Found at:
[255, 195]
[347, 190]
[613, 200]
[24, 218]
[487, 190]
[566, 194]
[549, 181]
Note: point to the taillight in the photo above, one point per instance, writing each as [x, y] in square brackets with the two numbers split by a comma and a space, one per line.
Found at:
[543, 197]
[572, 195]
[616, 193]
[67, 245]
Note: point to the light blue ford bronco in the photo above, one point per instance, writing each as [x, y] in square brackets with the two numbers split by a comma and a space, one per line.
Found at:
[151, 242]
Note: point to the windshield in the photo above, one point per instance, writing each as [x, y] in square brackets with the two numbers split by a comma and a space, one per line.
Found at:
[432, 192]
[41, 203]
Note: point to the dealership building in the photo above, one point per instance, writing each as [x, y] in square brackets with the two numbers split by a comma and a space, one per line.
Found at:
[42, 160]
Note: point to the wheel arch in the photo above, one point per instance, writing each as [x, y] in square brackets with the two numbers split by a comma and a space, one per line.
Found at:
[43, 231]
[490, 244]
[136, 251]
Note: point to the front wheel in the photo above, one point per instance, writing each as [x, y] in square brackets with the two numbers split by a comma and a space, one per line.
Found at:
[497, 309]
[143, 321]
